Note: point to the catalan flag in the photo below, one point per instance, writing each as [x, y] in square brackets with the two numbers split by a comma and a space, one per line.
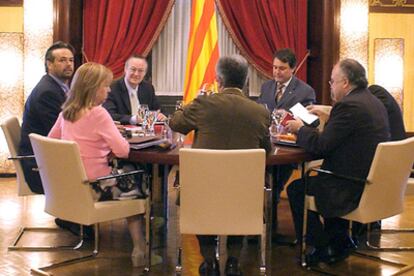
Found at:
[203, 51]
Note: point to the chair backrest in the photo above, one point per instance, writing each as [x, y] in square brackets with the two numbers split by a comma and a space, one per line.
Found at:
[322, 121]
[63, 176]
[222, 191]
[383, 196]
[12, 130]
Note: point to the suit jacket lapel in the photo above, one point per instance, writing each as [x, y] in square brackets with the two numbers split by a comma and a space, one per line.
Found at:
[125, 96]
[289, 91]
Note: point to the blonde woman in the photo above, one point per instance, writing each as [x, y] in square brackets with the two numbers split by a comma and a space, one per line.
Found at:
[86, 122]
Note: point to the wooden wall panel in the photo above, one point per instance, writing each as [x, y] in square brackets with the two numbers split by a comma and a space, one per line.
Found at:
[386, 25]
[323, 42]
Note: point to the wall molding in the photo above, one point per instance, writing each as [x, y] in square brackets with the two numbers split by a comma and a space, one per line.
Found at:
[391, 6]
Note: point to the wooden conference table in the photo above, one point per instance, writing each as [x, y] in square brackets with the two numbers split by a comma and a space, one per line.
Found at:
[279, 155]
[168, 157]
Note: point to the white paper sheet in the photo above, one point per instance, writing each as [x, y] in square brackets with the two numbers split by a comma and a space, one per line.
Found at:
[299, 111]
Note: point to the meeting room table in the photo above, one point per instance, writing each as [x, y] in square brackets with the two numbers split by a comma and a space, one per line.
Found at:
[163, 159]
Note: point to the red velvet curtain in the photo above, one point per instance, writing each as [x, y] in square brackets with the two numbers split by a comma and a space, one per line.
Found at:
[115, 29]
[260, 27]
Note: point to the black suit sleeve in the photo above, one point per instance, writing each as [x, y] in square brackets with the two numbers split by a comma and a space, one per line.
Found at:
[112, 104]
[341, 123]
[49, 107]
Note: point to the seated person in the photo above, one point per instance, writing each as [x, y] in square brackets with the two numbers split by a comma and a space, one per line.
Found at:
[129, 92]
[395, 117]
[357, 123]
[86, 122]
[282, 92]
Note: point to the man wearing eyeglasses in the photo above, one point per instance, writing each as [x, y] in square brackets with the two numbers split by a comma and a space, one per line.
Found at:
[357, 123]
[131, 91]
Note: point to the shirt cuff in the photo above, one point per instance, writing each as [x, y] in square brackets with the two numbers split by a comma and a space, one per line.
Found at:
[133, 120]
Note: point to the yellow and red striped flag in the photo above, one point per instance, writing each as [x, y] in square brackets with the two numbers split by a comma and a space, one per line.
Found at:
[203, 50]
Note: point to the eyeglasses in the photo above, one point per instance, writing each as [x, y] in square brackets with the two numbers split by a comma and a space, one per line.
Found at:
[136, 70]
[331, 82]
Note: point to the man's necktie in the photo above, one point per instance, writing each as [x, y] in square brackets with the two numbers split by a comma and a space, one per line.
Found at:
[134, 104]
[279, 92]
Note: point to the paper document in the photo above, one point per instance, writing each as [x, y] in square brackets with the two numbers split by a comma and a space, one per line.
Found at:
[302, 113]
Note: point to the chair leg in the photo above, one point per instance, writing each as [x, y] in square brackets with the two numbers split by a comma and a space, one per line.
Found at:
[263, 253]
[178, 267]
[148, 231]
[388, 231]
[22, 230]
[41, 271]
[304, 229]
[217, 249]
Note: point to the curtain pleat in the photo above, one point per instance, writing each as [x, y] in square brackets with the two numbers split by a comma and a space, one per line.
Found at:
[116, 29]
[260, 27]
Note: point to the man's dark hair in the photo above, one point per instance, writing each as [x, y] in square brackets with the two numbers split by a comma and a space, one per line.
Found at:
[232, 71]
[286, 55]
[354, 72]
[57, 45]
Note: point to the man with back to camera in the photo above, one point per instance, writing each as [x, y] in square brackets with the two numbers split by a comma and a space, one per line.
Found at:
[395, 117]
[44, 104]
[129, 92]
[357, 123]
[225, 120]
[283, 92]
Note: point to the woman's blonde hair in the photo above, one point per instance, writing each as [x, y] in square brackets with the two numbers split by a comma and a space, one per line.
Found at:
[82, 94]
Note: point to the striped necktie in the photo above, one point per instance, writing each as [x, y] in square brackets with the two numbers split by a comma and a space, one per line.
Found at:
[279, 92]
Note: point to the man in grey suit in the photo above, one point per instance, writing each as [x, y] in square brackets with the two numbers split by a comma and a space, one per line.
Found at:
[225, 120]
[283, 92]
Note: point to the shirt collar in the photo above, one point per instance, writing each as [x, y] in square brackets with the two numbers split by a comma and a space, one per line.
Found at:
[286, 84]
[62, 85]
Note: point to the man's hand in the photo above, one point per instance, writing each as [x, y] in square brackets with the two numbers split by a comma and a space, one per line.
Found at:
[319, 111]
[293, 126]
[161, 117]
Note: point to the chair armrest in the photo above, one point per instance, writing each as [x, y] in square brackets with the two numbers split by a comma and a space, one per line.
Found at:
[340, 175]
[21, 157]
[113, 176]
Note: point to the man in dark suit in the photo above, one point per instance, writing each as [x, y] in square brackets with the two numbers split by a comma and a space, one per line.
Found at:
[44, 104]
[291, 89]
[129, 92]
[225, 120]
[395, 117]
[283, 92]
[357, 123]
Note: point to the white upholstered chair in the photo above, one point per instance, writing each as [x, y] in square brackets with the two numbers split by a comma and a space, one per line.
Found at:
[222, 193]
[384, 191]
[12, 132]
[68, 192]
[322, 121]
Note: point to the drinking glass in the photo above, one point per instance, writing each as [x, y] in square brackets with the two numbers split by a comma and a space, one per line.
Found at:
[149, 122]
[207, 89]
[179, 105]
[277, 115]
[142, 109]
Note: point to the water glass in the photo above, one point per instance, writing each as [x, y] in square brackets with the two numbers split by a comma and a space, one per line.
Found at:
[142, 109]
[149, 122]
[179, 105]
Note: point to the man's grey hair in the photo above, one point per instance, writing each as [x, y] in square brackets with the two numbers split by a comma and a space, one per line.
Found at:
[232, 71]
[134, 56]
[354, 72]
